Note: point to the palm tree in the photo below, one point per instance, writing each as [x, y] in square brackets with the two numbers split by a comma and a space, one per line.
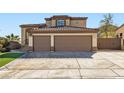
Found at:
[111, 33]
[106, 23]
[13, 37]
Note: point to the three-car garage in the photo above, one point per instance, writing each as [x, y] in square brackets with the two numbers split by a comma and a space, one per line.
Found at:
[62, 43]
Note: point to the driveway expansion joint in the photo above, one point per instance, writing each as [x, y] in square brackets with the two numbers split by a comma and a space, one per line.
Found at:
[112, 62]
[79, 67]
[115, 72]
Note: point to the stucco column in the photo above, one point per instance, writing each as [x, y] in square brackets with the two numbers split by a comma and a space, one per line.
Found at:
[30, 43]
[23, 33]
[122, 43]
[94, 42]
[52, 43]
[67, 22]
[53, 22]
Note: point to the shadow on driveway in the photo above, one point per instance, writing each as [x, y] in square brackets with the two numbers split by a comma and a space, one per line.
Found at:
[59, 55]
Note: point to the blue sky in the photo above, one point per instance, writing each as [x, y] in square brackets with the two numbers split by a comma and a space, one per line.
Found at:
[9, 22]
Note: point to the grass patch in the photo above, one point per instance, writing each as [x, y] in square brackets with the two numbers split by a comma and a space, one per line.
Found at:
[7, 57]
[1, 53]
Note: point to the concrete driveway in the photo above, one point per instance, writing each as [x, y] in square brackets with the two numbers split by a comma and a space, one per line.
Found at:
[101, 64]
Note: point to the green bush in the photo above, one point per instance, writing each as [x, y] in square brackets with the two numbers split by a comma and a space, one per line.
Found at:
[3, 42]
[3, 45]
[14, 45]
[5, 50]
[6, 46]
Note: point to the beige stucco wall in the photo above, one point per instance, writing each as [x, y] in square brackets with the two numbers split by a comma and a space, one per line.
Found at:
[67, 22]
[48, 23]
[94, 40]
[78, 23]
[23, 35]
[120, 30]
[30, 41]
[52, 40]
[53, 22]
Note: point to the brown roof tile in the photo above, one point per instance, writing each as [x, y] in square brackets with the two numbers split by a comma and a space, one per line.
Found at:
[33, 25]
[119, 27]
[66, 17]
[63, 30]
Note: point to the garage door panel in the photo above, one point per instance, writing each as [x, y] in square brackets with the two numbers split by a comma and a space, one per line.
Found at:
[73, 43]
[41, 43]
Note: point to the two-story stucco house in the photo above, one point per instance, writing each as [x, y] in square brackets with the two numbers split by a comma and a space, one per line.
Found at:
[59, 33]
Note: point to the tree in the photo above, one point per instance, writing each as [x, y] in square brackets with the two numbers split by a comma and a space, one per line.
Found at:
[3, 42]
[13, 37]
[107, 34]
[107, 28]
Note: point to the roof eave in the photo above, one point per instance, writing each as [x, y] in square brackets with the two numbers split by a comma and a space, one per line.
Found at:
[31, 25]
[64, 31]
[119, 27]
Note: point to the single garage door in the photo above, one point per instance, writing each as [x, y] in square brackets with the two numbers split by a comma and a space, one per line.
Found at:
[73, 43]
[41, 43]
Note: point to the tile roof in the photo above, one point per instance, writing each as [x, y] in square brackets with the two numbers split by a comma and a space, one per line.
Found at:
[63, 29]
[66, 16]
[66, 28]
[119, 27]
[33, 25]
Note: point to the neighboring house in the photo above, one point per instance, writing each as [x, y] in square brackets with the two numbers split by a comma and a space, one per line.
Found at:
[120, 31]
[120, 34]
[59, 33]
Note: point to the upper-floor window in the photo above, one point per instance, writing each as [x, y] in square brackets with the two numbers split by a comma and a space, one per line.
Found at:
[60, 22]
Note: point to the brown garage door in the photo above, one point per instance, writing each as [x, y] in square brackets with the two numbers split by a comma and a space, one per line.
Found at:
[73, 43]
[41, 43]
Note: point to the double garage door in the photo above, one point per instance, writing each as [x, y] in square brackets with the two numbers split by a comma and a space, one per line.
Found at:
[63, 43]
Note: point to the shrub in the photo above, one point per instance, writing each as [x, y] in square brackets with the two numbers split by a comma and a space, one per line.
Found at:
[14, 45]
[3, 42]
[5, 50]
[6, 46]
[1, 46]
